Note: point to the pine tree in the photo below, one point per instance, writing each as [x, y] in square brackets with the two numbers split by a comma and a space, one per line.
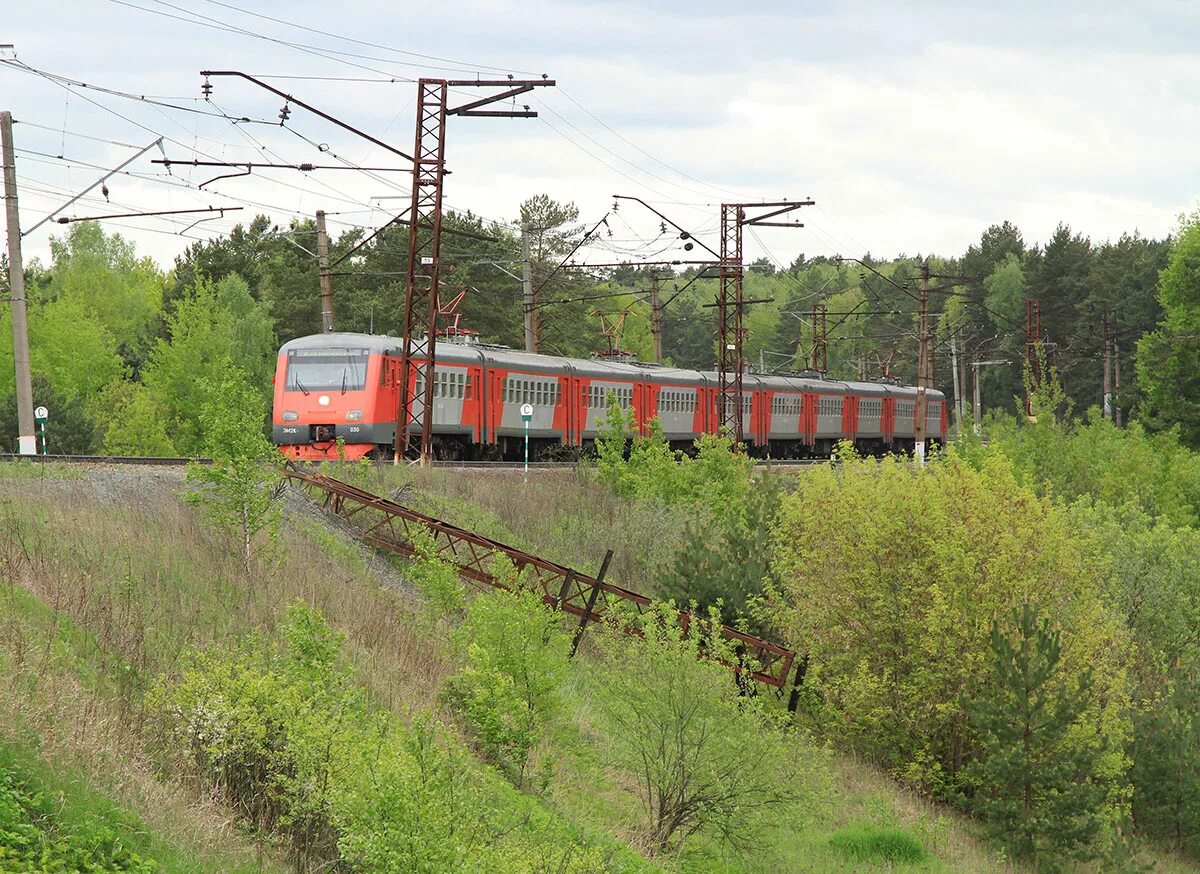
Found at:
[1034, 786]
[1166, 765]
[727, 557]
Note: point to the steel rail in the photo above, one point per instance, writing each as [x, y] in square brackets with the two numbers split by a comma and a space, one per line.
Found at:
[445, 464]
[387, 525]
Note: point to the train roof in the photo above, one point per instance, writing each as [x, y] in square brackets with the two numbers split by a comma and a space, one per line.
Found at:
[600, 368]
[376, 343]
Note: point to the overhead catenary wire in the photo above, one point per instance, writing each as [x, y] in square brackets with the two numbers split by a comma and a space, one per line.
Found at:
[462, 64]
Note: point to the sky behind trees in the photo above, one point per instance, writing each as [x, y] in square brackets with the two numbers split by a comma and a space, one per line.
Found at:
[913, 129]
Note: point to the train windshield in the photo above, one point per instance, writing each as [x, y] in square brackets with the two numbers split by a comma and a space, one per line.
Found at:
[326, 370]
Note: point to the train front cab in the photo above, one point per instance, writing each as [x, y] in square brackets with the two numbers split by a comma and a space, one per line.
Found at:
[326, 393]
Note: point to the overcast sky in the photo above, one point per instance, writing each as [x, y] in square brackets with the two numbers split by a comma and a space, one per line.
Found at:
[914, 126]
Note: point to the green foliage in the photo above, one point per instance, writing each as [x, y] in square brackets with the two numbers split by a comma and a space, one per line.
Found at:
[70, 430]
[875, 844]
[1094, 459]
[1006, 288]
[513, 663]
[716, 480]
[1168, 359]
[45, 833]
[121, 292]
[1155, 579]
[217, 328]
[726, 555]
[268, 727]
[1035, 781]
[136, 422]
[892, 577]
[436, 580]
[611, 441]
[282, 733]
[725, 561]
[704, 759]
[240, 486]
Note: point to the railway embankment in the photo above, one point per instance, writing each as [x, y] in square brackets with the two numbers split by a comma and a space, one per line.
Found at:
[117, 592]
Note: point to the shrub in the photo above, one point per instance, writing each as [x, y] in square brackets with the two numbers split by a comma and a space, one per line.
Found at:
[869, 843]
[890, 578]
[1034, 781]
[514, 660]
[269, 727]
[703, 758]
[436, 580]
[240, 486]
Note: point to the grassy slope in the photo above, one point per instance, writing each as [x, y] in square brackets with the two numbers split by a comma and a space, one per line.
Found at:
[115, 577]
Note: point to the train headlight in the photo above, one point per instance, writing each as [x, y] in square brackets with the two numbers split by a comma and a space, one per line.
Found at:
[290, 416]
[354, 416]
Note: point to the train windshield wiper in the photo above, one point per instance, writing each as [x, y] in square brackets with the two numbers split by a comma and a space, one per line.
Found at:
[343, 380]
[300, 386]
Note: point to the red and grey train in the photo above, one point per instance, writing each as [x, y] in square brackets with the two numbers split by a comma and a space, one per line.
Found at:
[344, 385]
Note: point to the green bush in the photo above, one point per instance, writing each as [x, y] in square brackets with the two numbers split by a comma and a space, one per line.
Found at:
[514, 661]
[280, 731]
[891, 578]
[435, 580]
[869, 843]
[704, 758]
[270, 727]
[1034, 781]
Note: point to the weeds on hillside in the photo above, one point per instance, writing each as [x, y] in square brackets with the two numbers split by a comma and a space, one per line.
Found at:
[282, 732]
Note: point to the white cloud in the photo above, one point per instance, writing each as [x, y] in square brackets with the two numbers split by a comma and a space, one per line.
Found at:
[913, 127]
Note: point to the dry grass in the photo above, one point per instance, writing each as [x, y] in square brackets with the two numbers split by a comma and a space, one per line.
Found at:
[560, 515]
[133, 579]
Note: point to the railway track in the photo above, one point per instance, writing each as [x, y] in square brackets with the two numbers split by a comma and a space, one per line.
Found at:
[171, 461]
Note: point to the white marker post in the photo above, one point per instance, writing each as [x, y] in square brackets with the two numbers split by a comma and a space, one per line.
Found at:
[526, 415]
[41, 415]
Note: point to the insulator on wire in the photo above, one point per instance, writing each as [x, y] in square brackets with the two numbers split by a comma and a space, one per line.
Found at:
[284, 114]
[206, 89]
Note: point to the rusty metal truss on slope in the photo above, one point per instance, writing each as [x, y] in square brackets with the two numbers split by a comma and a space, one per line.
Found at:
[387, 525]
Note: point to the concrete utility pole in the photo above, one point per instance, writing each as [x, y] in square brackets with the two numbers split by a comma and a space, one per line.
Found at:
[1108, 412]
[656, 318]
[1033, 337]
[958, 387]
[323, 273]
[978, 411]
[26, 438]
[527, 293]
[919, 427]
[977, 406]
[1116, 383]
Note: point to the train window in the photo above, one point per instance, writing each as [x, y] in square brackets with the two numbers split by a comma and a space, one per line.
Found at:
[327, 369]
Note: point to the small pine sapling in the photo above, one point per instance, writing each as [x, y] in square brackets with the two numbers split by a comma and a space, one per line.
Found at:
[1035, 785]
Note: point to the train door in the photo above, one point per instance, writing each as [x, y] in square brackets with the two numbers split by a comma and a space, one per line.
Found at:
[808, 418]
[850, 417]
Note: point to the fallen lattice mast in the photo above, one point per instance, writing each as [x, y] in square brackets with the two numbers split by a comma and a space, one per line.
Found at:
[387, 525]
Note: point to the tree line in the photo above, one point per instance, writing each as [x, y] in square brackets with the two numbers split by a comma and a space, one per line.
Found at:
[121, 345]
